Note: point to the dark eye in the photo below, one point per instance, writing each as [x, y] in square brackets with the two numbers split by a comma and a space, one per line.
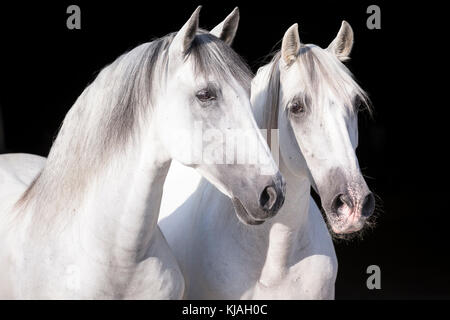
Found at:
[205, 95]
[297, 107]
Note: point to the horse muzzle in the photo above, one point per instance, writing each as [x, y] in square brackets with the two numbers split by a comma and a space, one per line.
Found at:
[269, 202]
[349, 211]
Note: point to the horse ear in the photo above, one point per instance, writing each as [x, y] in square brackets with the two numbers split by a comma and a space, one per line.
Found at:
[342, 45]
[290, 46]
[226, 30]
[183, 39]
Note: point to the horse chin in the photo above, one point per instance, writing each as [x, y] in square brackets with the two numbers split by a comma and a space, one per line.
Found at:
[243, 215]
[345, 224]
[347, 229]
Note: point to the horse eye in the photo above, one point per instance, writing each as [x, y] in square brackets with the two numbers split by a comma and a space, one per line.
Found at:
[296, 108]
[205, 95]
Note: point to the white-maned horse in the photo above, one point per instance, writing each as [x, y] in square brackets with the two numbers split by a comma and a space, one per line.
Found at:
[83, 223]
[310, 97]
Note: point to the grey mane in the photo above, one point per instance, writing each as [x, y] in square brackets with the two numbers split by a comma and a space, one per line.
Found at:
[107, 117]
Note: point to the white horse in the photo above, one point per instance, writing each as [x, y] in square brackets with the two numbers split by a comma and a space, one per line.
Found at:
[83, 223]
[310, 97]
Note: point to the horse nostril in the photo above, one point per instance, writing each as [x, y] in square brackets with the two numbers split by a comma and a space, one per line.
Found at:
[339, 202]
[368, 205]
[268, 198]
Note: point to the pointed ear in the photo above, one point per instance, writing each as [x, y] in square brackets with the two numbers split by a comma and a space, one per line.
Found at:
[183, 39]
[226, 30]
[290, 46]
[342, 45]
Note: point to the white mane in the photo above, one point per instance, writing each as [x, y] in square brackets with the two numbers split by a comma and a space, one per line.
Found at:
[321, 70]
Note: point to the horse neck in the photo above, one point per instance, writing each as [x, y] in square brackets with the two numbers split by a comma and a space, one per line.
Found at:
[287, 230]
[264, 98]
[284, 231]
[261, 94]
[107, 190]
[294, 213]
[122, 207]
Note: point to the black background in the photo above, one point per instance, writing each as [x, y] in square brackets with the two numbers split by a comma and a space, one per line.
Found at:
[44, 67]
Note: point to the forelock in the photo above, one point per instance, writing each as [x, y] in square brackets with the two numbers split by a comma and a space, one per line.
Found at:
[325, 73]
[211, 56]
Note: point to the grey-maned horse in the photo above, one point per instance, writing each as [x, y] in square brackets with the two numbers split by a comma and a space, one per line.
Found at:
[83, 223]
